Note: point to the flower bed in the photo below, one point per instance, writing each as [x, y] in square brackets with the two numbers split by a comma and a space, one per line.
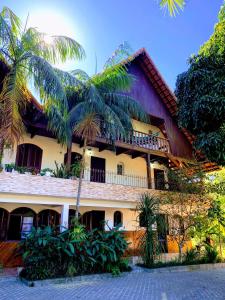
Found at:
[49, 254]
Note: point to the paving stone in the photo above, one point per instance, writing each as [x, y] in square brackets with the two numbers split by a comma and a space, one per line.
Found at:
[196, 285]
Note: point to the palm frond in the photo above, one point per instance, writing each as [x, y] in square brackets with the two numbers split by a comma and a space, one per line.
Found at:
[67, 48]
[122, 52]
[128, 104]
[12, 99]
[46, 80]
[89, 127]
[173, 6]
[114, 78]
[13, 20]
[80, 75]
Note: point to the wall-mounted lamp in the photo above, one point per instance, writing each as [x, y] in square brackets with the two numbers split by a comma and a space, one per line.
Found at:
[89, 151]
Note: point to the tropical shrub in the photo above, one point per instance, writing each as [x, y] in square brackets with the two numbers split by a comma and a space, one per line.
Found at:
[48, 254]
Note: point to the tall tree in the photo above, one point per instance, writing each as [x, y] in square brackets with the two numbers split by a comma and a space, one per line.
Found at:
[201, 95]
[100, 97]
[28, 57]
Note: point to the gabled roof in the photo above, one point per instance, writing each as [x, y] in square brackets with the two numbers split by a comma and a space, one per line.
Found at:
[156, 79]
[168, 98]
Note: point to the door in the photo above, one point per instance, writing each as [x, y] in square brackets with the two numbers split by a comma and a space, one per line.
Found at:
[159, 178]
[98, 218]
[97, 169]
[14, 231]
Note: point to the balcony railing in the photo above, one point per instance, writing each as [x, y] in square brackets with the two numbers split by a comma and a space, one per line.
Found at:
[95, 175]
[143, 140]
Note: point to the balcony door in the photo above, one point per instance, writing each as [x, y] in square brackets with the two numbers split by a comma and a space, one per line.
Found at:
[159, 178]
[97, 169]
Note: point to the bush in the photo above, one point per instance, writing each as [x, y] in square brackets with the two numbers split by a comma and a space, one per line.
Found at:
[48, 254]
[191, 256]
[211, 254]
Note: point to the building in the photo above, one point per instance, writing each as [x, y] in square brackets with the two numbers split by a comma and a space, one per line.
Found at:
[115, 176]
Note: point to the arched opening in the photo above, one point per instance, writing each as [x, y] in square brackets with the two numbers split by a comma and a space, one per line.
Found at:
[21, 221]
[93, 219]
[75, 157]
[29, 156]
[4, 217]
[117, 219]
[48, 217]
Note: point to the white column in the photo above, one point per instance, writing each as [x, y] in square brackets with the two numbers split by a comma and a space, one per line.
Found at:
[109, 219]
[64, 217]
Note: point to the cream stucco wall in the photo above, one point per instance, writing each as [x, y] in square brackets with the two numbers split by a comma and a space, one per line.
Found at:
[53, 151]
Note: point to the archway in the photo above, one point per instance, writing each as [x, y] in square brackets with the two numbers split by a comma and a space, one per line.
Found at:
[48, 217]
[21, 221]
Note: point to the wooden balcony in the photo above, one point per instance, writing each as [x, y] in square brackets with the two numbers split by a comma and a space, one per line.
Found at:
[136, 143]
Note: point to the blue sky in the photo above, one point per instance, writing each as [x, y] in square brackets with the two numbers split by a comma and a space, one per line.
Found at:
[101, 25]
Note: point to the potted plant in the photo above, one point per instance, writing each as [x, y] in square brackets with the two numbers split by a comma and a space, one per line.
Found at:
[46, 172]
[9, 167]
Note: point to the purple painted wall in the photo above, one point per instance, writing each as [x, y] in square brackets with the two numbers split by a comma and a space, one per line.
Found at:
[145, 93]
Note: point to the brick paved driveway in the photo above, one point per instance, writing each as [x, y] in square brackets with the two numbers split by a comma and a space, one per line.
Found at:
[134, 286]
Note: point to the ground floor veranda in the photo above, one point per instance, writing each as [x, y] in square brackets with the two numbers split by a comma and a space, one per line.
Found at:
[18, 215]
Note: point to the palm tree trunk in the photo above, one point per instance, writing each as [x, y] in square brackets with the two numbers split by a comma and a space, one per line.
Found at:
[69, 155]
[80, 179]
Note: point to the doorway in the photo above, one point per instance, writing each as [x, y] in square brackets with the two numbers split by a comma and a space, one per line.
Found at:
[159, 178]
[94, 219]
[97, 169]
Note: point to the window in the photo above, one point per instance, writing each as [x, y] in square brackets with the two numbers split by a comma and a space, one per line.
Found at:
[120, 169]
[29, 155]
[117, 220]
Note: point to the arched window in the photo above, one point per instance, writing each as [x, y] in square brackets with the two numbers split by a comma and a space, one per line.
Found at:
[29, 155]
[4, 215]
[120, 168]
[117, 219]
[48, 217]
[21, 221]
[75, 157]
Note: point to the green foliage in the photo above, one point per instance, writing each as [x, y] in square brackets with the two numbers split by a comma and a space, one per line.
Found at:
[45, 170]
[200, 92]
[187, 180]
[173, 6]
[191, 256]
[211, 254]
[148, 207]
[61, 171]
[28, 58]
[48, 253]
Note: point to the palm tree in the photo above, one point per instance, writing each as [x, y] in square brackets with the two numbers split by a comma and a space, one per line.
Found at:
[97, 105]
[29, 58]
[173, 6]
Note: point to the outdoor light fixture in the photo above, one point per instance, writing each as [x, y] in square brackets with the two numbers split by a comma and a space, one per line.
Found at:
[89, 151]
